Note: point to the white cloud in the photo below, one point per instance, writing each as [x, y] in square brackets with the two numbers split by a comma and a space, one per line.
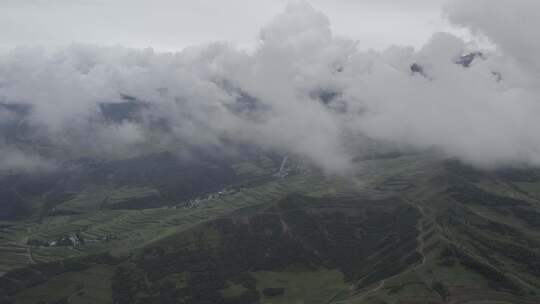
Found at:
[511, 24]
[303, 90]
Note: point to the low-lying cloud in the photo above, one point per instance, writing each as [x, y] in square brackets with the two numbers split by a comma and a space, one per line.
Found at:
[302, 91]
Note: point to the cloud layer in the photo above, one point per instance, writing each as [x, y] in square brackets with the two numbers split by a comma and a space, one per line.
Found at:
[302, 91]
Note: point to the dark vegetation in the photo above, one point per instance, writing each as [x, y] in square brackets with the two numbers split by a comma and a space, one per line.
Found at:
[17, 190]
[175, 179]
[464, 230]
[495, 278]
[470, 194]
[273, 292]
[441, 289]
[526, 255]
[459, 171]
[31, 276]
[334, 233]
[299, 230]
[11, 205]
[488, 240]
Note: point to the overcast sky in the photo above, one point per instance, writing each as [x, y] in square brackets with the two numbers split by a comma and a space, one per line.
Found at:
[174, 24]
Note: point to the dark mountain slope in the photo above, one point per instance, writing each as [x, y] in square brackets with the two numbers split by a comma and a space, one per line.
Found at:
[406, 229]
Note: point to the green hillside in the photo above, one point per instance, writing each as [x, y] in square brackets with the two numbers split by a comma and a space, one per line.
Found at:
[404, 229]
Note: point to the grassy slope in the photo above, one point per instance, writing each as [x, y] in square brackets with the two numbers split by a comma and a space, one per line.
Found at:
[88, 286]
[471, 227]
[301, 285]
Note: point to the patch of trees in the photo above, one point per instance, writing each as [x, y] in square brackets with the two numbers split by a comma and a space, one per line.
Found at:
[441, 289]
[12, 206]
[528, 215]
[521, 254]
[203, 285]
[470, 194]
[458, 171]
[176, 180]
[273, 292]
[296, 231]
[16, 280]
[496, 279]
[518, 175]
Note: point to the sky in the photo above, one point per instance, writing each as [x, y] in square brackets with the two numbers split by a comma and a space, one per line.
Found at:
[309, 86]
[170, 25]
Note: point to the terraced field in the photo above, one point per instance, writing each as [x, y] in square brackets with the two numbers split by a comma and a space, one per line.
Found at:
[122, 231]
[406, 229]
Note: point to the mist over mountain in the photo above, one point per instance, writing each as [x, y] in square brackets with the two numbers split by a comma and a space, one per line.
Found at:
[302, 91]
[304, 167]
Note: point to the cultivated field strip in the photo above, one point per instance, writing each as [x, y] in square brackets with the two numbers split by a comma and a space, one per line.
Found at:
[124, 230]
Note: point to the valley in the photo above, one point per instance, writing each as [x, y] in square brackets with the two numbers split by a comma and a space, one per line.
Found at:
[405, 229]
